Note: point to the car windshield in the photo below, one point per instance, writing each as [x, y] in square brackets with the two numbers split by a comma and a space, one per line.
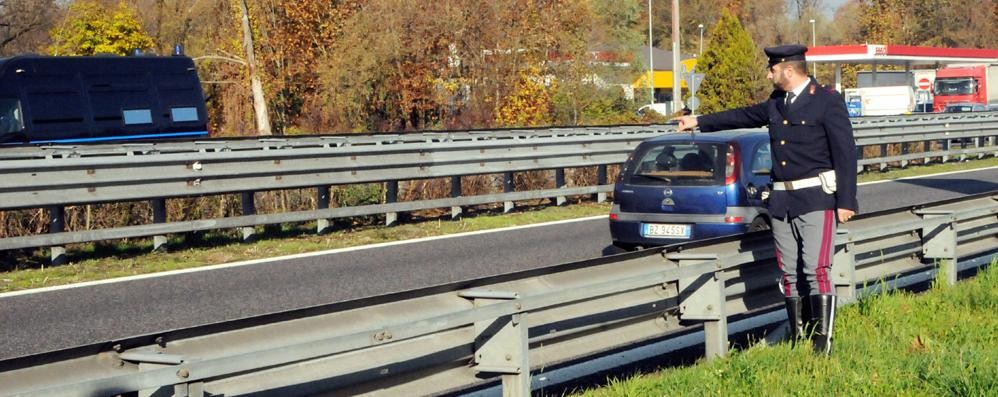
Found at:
[677, 164]
[954, 86]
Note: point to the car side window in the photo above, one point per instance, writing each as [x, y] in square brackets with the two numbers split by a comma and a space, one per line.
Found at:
[762, 159]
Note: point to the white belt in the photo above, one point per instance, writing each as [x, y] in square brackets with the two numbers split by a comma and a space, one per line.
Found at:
[798, 184]
[825, 179]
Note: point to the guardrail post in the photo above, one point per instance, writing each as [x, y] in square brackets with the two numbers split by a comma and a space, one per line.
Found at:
[193, 389]
[57, 224]
[455, 192]
[947, 145]
[559, 182]
[249, 208]
[926, 147]
[322, 226]
[158, 216]
[391, 196]
[939, 242]
[501, 344]
[600, 181]
[507, 187]
[883, 154]
[904, 151]
[844, 270]
[702, 298]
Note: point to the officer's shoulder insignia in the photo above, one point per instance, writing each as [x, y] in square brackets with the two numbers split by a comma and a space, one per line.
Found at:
[811, 89]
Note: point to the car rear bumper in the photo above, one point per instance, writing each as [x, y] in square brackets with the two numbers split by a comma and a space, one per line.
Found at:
[628, 233]
[625, 228]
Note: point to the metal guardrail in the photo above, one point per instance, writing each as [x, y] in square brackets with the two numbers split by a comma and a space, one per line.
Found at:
[54, 177]
[468, 334]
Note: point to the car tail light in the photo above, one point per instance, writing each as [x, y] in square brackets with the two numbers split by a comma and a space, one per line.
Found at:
[730, 165]
[614, 216]
[733, 219]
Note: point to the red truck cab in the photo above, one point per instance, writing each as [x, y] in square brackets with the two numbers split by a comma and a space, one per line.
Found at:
[966, 84]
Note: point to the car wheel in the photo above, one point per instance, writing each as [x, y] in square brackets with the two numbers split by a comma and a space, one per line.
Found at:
[758, 224]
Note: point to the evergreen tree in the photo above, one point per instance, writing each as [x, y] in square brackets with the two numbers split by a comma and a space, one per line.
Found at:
[89, 29]
[735, 69]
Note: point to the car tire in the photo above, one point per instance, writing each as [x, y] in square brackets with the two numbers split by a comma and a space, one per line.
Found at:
[759, 224]
[624, 247]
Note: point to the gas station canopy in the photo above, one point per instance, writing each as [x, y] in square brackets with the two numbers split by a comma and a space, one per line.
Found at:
[903, 55]
[878, 54]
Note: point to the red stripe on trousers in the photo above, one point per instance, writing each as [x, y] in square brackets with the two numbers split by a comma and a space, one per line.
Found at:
[825, 254]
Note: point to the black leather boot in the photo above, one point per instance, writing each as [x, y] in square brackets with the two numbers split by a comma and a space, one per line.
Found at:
[795, 317]
[823, 316]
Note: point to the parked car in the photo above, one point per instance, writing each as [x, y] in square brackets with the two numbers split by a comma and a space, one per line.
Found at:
[682, 187]
[965, 107]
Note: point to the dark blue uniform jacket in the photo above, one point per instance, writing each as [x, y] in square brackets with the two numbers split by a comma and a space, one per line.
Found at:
[812, 136]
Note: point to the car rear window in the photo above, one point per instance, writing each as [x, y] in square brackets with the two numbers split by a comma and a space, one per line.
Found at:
[677, 164]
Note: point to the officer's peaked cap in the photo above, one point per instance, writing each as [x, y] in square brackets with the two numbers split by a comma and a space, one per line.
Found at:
[785, 53]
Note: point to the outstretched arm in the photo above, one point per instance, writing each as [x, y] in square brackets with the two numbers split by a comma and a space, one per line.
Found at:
[746, 117]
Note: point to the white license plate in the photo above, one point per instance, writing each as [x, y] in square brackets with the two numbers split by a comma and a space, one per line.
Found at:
[665, 230]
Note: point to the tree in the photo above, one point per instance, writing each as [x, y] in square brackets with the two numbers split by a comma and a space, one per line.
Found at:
[734, 68]
[88, 28]
[298, 34]
[530, 103]
[256, 85]
[23, 24]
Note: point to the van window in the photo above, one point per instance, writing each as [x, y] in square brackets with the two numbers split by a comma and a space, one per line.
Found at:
[137, 116]
[677, 164]
[184, 114]
[11, 120]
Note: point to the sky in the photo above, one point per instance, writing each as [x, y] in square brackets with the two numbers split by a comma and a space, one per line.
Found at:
[832, 5]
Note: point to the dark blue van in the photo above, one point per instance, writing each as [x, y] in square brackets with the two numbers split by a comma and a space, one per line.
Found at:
[682, 187]
[55, 99]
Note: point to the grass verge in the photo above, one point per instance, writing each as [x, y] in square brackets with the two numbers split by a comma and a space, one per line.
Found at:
[943, 342]
[98, 261]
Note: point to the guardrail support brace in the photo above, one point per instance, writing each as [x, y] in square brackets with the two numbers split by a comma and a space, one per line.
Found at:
[391, 196]
[883, 153]
[322, 226]
[600, 180]
[844, 271]
[193, 389]
[940, 242]
[702, 298]
[501, 344]
[507, 187]
[158, 216]
[57, 224]
[249, 208]
[904, 151]
[559, 182]
[455, 191]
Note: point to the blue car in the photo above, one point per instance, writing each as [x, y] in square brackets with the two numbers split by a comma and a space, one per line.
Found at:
[682, 187]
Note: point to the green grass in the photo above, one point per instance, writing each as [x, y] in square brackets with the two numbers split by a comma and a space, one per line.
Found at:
[97, 261]
[933, 169]
[943, 342]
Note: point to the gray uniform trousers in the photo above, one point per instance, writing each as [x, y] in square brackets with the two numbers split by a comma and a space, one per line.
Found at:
[804, 249]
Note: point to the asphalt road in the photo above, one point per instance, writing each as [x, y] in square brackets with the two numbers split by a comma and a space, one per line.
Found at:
[55, 319]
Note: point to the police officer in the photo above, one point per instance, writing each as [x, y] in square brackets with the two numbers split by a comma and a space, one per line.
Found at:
[814, 183]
